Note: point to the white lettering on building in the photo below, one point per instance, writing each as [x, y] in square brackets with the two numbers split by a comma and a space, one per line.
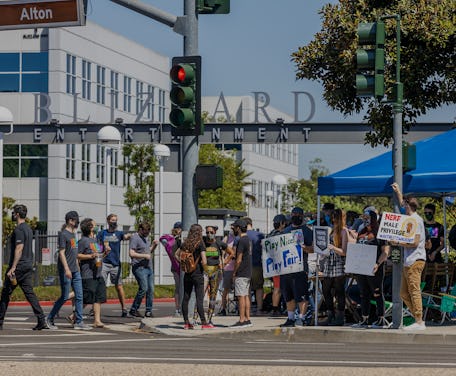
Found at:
[33, 14]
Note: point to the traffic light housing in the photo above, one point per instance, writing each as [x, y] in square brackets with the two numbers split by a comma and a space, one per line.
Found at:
[370, 63]
[185, 96]
[213, 6]
[209, 177]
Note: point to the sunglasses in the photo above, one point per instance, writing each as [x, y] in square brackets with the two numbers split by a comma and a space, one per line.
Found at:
[210, 232]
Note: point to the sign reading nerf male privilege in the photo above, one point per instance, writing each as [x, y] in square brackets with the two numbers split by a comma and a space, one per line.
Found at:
[282, 254]
[397, 227]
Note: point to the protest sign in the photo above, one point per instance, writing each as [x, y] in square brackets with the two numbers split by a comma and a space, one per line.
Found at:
[397, 227]
[361, 258]
[321, 239]
[46, 257]
[282, 254]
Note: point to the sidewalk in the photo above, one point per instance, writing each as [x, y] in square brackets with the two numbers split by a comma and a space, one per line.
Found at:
[50, 303]
[267, 328]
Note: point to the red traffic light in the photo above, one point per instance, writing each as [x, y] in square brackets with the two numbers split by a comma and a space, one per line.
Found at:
[182, 74]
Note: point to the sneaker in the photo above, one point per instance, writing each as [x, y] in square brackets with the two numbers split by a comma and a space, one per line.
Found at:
[148, 314]
[416, 326]
[288, 324]
[209, 325]
[70, 318]
[238, 325]
[81, 326]
[135, 314]
[222, 312]
[276, 314]
[188, 326]
[124, 313]
[177, 313]
[381, 324]
[360, 325]
[247, 324]
[91, 314]
[50, 324]
[41, 325]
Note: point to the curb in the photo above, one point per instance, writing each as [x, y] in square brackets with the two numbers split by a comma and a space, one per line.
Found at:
[50, 303]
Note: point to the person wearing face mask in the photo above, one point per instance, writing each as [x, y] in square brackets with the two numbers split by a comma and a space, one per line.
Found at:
[327, 209]
[212, 266]
[434, 232]
[141, 253]
[110, 239]
[69, 272]
[295, 286]
[20, 268]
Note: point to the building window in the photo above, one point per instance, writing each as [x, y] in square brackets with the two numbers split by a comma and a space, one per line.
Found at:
[86, 79]
[25, 161]
[114, 166]
[101, 84]
[127, 94]
[70, 161]
[126, 176]
[25, 72]
[139, 96]
[71, 74]
[114, 89]
[161, 106]
[100, 164]
[151, 102]
[85, 162]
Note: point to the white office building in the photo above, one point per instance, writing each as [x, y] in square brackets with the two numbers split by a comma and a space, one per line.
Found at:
[93, 75]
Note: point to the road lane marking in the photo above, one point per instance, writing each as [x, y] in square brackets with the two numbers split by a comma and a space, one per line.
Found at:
[75, 343]
[265, 342]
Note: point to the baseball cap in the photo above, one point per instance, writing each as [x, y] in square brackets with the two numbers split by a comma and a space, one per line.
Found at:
[239, 223]
[178, 225]
[71, 215]
[298, 211]
[279, 218]
[370, 208]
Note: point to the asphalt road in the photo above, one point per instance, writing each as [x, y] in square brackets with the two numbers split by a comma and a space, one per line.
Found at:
[123, 342]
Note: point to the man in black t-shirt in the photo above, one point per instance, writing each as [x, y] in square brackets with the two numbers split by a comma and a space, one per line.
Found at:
[434, 232]
[20, 268]
[242, 272]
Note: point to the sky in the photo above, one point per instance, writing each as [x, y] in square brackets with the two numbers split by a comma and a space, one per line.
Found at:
[250, 50]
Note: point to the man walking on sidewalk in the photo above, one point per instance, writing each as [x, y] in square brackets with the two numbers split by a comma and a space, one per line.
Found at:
[20, 269]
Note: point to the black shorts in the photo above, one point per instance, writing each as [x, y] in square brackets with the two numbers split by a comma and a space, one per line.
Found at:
[295, 286]
[94, 290]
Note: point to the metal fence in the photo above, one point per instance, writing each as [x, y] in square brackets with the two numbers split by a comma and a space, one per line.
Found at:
[45, 249]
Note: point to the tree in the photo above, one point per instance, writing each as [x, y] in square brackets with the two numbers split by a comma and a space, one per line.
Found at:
[428, 45]
[8, 224]
[234, 178]
[140, 167]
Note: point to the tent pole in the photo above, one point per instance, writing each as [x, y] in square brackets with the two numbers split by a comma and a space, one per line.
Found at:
[445, 245]
[317, 267]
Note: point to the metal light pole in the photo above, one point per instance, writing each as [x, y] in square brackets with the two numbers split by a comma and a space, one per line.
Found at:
[269, 195]
[108, 134]
[6, 117]
[161, 152]
[280, 181]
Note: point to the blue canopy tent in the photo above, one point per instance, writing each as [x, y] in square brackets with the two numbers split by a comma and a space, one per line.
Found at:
[435, 173]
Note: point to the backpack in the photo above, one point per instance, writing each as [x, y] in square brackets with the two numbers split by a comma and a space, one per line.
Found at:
[187, 262]
[452, 237]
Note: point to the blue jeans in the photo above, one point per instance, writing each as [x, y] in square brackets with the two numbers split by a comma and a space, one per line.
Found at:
[65, 284]
[145, 278]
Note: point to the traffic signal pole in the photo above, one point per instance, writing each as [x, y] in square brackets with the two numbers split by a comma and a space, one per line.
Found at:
[188, 27]
[398, 164]
[189, 145]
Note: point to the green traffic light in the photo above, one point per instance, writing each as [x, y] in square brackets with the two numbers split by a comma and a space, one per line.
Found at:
[182, 118]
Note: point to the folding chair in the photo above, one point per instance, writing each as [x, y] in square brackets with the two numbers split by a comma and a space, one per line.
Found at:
[445, 304]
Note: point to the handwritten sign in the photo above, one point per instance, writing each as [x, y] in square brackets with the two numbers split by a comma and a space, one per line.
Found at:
[397, 227]
[282, 254]
[361, 258]
[321, 239]
[46, 256]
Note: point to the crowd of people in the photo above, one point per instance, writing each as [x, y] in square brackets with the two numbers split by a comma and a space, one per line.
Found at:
[202, 263]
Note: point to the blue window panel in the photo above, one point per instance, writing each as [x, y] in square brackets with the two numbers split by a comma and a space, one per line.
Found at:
[9, 62]
[9, 83]
[35, 83]
[35, 61]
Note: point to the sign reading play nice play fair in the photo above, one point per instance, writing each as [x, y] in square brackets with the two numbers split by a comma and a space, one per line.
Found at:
[26, 14]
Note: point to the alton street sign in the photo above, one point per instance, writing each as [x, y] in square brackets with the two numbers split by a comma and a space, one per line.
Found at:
[26, 14]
